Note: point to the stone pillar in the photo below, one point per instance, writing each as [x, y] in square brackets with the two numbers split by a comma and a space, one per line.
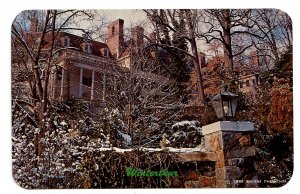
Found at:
[232, 143]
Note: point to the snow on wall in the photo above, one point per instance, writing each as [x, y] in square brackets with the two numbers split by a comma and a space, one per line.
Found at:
[168, 149]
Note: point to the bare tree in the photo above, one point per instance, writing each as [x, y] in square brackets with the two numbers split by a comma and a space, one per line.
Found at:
[286, 29]
[224, 25]
[38, 46]
[147, 97]
[166, 22]
[275, 26]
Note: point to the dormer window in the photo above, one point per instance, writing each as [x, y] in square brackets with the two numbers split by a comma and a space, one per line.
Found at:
[37, 42]
[65, 41]
[105, 52]
[247, 83]
[86, 47]
[58, 73]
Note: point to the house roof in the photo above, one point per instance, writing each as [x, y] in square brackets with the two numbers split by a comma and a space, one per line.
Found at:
[75, 41]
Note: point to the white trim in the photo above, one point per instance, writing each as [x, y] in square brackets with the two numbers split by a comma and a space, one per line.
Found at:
[54, 83]
[62, 83]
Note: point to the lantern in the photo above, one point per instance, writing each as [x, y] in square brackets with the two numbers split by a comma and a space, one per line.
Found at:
[225, 104]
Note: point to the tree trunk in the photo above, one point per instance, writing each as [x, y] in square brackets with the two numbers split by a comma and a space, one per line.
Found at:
[274, 46]
[273, 40]
[228, 57]
[44, 101]
[192, 40]
[198, 70]
[289, 29]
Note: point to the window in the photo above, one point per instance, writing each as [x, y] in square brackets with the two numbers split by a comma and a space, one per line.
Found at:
[86, 47]
[105, 52]
[87, 81]
[247, 83]
[258, 79]
[59, 73]
[65, 41]
[37, 42]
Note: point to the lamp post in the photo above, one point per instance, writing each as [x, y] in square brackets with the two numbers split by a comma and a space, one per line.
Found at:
[231, 141]
[225, 104]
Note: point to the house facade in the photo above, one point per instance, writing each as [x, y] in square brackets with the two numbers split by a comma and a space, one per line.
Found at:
[89, 69]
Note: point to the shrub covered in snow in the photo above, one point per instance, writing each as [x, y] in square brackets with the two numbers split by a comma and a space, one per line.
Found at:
[186, 134]
[53, 159]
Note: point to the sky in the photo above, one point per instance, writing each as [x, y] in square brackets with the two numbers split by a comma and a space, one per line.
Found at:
[130, 16]
[133, 17]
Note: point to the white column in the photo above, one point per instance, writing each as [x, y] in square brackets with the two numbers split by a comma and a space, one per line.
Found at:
[54, 84]
[93, 80]
[80, 82]
[62, 83]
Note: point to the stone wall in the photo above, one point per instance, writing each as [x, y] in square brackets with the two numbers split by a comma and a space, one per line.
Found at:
[226, 160]
[232, 142]
[201, 172]
[200, 175]
[194, 169]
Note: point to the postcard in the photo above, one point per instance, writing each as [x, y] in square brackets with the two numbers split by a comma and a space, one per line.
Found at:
[154, 98]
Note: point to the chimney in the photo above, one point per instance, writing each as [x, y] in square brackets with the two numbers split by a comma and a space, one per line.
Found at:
[33, 25]
[115, 36]
[137, 35]
[254, 58]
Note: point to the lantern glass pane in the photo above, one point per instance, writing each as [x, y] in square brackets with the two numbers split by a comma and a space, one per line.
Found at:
[234, 105]
[217, 104]
[226, 107]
